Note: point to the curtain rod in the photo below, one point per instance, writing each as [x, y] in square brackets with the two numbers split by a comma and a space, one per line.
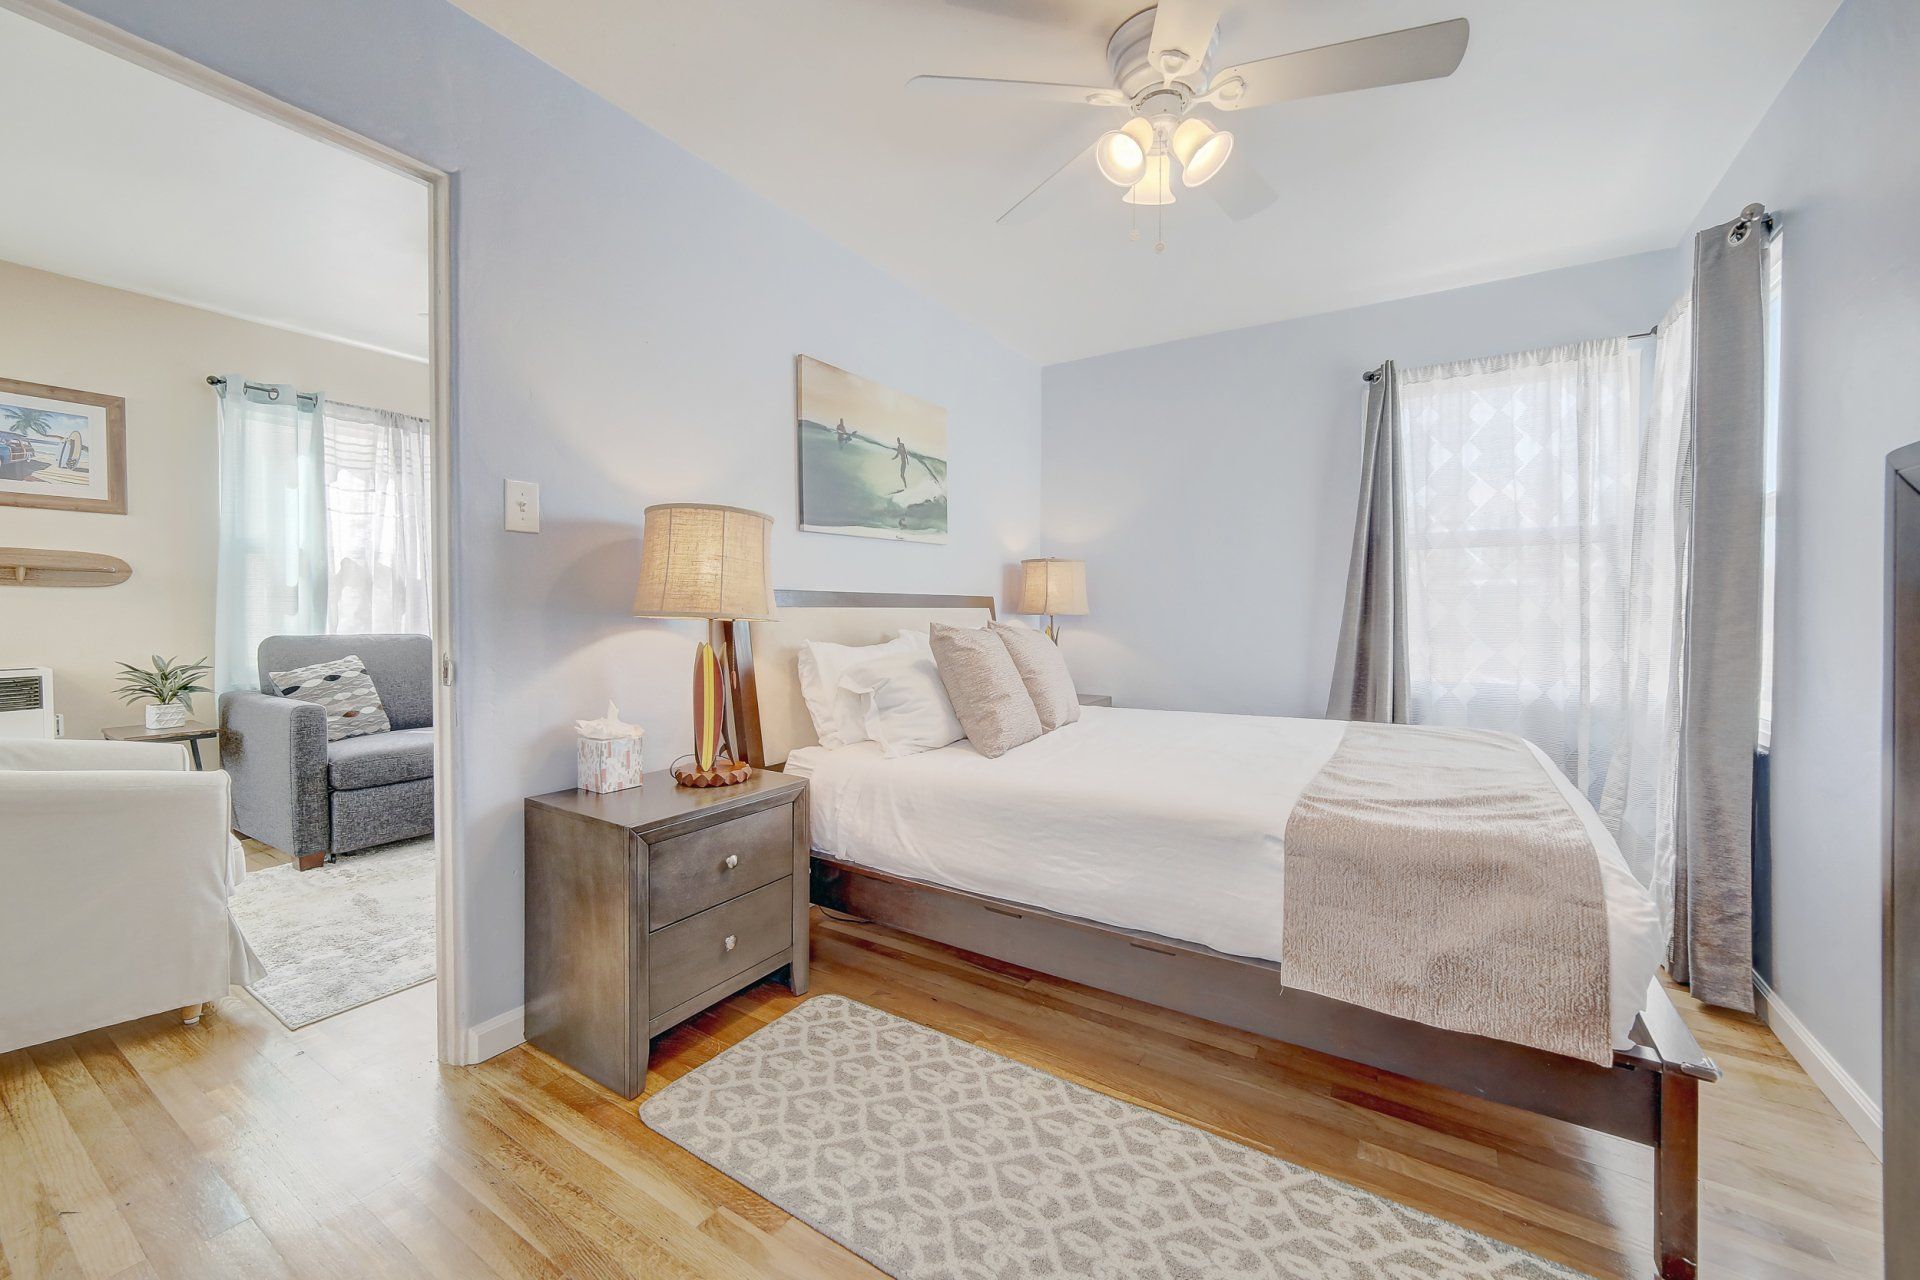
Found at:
[1373, 375]
[271, 392]
[1752, 215]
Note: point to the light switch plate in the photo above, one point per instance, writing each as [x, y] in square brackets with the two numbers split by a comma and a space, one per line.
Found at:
[523, 506]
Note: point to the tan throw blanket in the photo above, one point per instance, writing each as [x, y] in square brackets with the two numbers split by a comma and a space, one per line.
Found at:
[1439, 875]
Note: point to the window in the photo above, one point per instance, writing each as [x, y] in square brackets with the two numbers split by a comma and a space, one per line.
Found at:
[1519, 518]
[377, 484]
[326, 517]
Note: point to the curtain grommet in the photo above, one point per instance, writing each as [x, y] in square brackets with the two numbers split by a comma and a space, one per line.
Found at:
[1748, 216]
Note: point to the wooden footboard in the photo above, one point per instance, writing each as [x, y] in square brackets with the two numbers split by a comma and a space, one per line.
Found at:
[1649, 1095]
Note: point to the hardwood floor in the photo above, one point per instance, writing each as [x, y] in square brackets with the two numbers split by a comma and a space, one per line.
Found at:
[262, 856]
[237, 1148]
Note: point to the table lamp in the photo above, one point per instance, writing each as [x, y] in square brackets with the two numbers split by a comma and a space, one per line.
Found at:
[704, 561]
[1055, 588]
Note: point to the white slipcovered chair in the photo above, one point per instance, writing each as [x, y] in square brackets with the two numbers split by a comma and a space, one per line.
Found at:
[115, 869]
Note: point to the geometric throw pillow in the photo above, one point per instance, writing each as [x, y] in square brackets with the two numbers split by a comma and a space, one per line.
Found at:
[344, 690]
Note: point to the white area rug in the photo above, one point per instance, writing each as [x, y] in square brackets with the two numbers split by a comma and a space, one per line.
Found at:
[933, 1158]
[356, 929]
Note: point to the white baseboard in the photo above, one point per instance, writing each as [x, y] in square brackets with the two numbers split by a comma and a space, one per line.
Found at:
[496, 1035]
[1842, 1090]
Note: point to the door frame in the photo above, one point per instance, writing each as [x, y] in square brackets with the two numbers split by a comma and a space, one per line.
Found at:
[456, 1044]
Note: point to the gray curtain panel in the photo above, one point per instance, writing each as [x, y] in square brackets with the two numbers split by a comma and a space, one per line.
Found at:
[1370, 669]
[1712, 947]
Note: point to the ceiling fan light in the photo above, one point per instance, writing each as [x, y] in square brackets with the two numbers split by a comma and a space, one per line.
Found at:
[1202, 150]
[1188, 136]
[1121, 159]
[1155, 185]
[1209, 159]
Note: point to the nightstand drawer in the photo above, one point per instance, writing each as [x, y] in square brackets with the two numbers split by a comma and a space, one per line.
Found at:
[690, 873]
[703, 951]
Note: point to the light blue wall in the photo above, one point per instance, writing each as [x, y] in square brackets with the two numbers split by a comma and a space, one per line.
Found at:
[626, 320]
[1838, 157]
[1210, 484]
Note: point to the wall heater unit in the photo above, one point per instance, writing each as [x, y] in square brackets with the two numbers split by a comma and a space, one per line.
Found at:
[26, 703]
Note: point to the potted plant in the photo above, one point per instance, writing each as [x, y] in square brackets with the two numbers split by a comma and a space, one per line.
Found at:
[169, 683]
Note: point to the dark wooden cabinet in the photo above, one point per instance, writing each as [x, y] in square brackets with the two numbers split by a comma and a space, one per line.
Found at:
[648, 905]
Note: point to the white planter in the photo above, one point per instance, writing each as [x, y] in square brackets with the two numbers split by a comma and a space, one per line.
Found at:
[166, 715]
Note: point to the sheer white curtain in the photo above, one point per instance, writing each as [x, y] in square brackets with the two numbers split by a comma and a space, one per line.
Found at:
[378, 484]
[1520, 481]
[271, 577]
[1639, 800]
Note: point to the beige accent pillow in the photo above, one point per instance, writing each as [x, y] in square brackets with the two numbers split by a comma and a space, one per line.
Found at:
[985, 688]
[1044, 672]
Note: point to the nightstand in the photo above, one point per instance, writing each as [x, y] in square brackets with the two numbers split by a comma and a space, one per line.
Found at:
[1096, 699]
[646, 906]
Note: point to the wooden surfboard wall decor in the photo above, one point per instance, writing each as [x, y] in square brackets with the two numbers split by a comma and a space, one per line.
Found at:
[35, 567]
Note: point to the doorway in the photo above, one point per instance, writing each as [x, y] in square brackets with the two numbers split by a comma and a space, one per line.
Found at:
[212, 253]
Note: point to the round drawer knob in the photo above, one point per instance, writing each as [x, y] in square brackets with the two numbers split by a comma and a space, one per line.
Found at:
[733, 860]
[730, 941]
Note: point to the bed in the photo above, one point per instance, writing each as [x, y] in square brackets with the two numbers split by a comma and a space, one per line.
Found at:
[1080, 855]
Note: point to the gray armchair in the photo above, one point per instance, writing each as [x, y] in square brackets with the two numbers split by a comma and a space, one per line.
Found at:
[309, 797]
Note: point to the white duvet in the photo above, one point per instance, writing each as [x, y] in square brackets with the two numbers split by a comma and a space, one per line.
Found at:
[1171, 822]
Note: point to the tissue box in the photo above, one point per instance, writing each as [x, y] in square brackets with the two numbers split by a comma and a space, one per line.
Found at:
[609, 764]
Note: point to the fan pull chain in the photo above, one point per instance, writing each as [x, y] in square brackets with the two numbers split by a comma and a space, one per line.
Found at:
[1160, 216]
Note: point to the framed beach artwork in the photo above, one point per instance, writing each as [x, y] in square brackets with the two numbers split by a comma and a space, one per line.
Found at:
[873, 461]
[62, 449]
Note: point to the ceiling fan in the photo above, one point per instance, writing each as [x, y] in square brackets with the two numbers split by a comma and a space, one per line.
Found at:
[1161, 60]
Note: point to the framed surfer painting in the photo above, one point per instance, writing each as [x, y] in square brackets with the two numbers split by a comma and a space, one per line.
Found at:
[873, 461]
[62, 449]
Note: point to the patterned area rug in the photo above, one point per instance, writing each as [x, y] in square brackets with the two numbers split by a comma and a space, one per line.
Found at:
[932, 1158]
[356, 929]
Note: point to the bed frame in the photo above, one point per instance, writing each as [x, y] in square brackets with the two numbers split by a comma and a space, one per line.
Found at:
[1650, 1095]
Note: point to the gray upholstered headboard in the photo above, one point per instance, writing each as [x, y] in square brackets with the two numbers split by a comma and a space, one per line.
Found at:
[771, 715]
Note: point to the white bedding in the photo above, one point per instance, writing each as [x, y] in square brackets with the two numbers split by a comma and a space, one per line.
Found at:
[1166, 821]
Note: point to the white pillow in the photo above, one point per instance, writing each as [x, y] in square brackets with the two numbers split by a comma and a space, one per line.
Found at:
[839, 715]
[907, 709]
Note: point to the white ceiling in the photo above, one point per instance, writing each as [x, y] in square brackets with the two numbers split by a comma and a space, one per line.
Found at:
[118, 175]
[1573, 131]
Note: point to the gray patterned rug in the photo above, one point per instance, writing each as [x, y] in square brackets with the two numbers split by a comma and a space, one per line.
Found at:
[356, 929]
[933, 1158]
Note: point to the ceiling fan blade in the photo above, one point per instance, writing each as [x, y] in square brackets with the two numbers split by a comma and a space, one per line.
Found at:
[1038, 200]
[1240, 190]
[1396, 57]
[1043, 12]
[1086, 95]
[1186, 26]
